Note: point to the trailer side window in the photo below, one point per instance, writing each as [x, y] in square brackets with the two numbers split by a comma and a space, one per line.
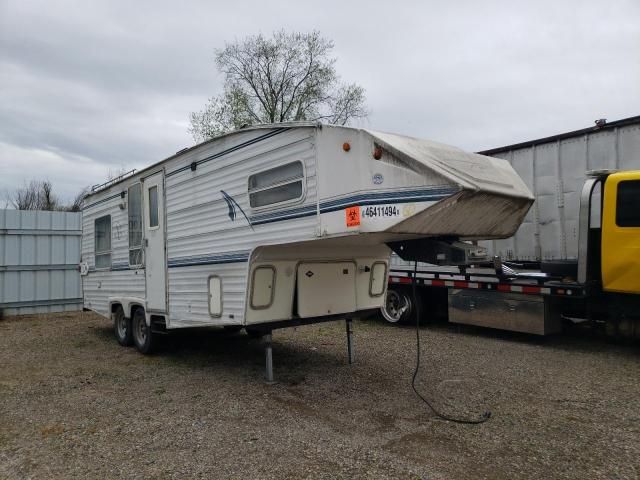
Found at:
[628, 204]
[103, 241]
[276, 185]
[153, 207]
[135, 225]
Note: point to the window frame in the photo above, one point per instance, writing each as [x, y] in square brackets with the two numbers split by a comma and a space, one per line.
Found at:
[384, 284]
[140, 246]
[620, 183]
[302, 179]
[148, 203]
[97, 253]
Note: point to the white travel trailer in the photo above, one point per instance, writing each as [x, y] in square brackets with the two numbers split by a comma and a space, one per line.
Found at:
[278, 225]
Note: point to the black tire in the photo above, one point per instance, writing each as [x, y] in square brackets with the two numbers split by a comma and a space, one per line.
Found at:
[232, 328]
[122, 327]
[399, 305]
[143, 338]
[255, 332]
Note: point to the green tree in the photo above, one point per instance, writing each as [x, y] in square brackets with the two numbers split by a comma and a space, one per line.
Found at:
[288, 77]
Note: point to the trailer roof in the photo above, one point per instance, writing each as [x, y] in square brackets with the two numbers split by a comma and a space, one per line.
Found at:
[469, 170]
[607, 126]
[127, 175]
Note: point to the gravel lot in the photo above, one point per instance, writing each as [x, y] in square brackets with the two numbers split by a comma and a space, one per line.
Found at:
[74, 404]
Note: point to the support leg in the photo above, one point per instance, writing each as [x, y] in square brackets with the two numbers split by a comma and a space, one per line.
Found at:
[269, 358]
[349, 340]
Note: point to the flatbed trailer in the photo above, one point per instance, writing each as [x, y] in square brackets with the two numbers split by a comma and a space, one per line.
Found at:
[520, 300]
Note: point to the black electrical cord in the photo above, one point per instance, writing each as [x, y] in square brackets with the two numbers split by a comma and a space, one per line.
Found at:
[416, 305]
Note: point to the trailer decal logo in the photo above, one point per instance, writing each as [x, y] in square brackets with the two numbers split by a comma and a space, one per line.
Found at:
[232, 204]
[353, 216]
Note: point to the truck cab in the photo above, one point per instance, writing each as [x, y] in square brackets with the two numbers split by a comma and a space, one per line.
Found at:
[620, 234]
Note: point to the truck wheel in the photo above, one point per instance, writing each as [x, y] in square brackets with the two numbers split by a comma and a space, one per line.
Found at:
[397, 306]
[142, 336]
[122, 327]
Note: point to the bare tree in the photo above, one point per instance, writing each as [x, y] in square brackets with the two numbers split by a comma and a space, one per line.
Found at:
[36, 195]
[78, 201]
[47, 200]
[39, 195]
[114, 173]
[288, 77]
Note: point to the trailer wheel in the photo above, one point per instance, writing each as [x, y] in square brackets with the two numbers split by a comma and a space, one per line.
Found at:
[255, 332]
[397, 306]
[233, 328]
[122, 327]
[141, 332]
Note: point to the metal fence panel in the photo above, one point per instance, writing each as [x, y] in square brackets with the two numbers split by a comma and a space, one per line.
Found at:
[554, 168]
[39, 255]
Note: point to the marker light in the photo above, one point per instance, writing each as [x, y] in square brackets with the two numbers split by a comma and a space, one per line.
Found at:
[346, 147]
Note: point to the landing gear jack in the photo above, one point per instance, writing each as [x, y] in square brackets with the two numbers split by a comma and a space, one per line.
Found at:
[268, 350]
[349, 326]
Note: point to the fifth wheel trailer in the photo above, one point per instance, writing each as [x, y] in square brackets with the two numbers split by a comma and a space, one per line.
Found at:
[558, 266]
[279, 225]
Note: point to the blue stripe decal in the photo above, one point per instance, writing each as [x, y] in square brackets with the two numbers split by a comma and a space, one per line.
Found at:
[120, 266]
[115, 267]
[117, 195]
[430, 193]
[230, 150]
[234, 257]
[422, 195]
[284, 215]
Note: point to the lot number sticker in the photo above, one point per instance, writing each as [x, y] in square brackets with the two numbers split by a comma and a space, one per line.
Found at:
[353, 216]
[381, 211]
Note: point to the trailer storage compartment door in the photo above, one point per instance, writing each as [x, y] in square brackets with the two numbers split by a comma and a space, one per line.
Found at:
[326, 288]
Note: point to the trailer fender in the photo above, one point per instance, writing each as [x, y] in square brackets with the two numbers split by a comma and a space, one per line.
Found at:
[128, 304]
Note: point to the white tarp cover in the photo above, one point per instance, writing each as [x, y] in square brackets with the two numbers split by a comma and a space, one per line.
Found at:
[469, 170]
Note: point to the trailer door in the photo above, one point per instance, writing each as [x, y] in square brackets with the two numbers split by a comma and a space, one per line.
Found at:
[621, 233]
[154, 234]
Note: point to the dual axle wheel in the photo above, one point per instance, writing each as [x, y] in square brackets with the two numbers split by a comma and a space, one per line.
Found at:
[133, 331]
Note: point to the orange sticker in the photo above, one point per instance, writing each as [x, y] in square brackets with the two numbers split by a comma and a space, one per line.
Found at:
[353, 216]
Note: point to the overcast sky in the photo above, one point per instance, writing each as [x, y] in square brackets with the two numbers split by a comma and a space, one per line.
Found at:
[87, 87]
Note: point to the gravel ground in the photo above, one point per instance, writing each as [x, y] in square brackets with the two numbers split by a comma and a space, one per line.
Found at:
[74, 404]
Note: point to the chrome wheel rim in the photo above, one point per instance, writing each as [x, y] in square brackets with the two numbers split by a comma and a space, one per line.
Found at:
[141, 330]
[121, 325]
[394, 306]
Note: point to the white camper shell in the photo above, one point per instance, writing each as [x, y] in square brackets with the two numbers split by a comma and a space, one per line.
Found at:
[281, 223]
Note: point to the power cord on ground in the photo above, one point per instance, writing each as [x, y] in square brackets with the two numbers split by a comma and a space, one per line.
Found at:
[469, 421]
